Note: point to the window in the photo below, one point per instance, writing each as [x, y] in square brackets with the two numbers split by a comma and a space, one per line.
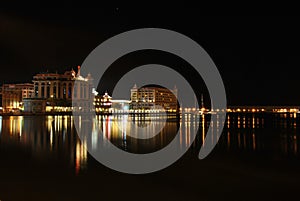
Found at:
[54, 90]
[48, 90]
[43, 90]
[64, 91]
[59, 94]
[70, 91]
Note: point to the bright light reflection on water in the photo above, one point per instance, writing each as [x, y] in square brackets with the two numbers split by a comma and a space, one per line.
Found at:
[274, 134]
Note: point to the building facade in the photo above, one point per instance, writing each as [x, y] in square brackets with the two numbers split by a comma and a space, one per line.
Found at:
[102, 103]
[59, 90]
[14, 94]
[145, 98]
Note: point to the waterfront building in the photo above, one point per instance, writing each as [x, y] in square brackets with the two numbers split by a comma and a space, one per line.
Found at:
[102, 103]
[12, 96]
[105, 104]
[58, 91]
[145, 98]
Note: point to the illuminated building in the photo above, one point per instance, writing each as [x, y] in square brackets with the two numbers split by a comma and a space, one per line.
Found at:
[59, 86]
[102, 103]
[105, 104]
[145, 98]
[59, 90]
[14, 94]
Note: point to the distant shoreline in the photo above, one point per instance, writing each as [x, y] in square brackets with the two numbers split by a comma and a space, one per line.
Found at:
[157, 114]
[71, 114]
[229, 109]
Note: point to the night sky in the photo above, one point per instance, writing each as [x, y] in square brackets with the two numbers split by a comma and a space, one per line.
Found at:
[258, 57]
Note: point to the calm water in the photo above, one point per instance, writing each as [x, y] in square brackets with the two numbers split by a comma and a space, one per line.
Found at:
[39, 147]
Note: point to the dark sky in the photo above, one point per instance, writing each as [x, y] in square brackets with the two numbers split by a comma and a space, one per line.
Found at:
[258, 57]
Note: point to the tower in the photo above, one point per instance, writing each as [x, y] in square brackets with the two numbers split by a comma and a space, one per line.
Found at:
[78, 73]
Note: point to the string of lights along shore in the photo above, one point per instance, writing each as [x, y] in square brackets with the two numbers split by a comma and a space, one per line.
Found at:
[51, 92]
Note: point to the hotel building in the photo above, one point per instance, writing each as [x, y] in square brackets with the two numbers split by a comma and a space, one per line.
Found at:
[145, 98]
[55, 92]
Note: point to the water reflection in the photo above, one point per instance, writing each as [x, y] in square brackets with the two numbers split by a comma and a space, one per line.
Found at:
[272, 133]
[117, 131]
[275, 134]
[45, 137]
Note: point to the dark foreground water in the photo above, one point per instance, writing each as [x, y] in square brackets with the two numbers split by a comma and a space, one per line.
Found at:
[257, 158]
